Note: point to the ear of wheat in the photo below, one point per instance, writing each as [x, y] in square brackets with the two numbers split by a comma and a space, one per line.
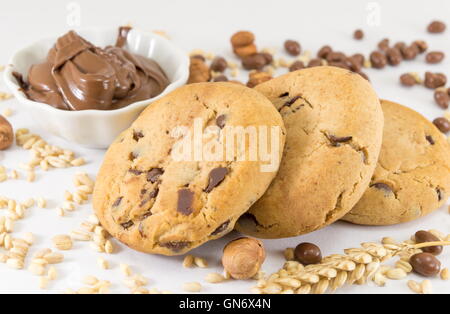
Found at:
[355, 266]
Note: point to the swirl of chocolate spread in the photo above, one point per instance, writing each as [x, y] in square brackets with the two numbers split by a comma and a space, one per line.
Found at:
[80, 76]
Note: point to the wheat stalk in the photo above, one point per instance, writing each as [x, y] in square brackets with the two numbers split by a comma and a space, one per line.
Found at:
[355, 266]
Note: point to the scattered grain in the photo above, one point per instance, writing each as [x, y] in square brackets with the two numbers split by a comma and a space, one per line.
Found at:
[43, 282]
[90, 280]
[200, 262]
[445, 274]
[214, 278]
[7, 112]
[125, 269]
[426, 287]
[188, 261]
[109, 248]
[54, 258]
[15, 263]
[52, 274]
[192, 287]
[41, 202]
[102, 263]
[414, 286]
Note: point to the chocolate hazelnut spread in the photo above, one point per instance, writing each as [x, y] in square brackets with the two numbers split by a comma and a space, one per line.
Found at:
[79, 76]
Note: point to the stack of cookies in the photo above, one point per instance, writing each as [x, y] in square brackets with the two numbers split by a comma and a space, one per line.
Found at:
[188, 171]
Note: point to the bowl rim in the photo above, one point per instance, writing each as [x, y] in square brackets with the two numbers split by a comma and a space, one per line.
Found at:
[20, 95]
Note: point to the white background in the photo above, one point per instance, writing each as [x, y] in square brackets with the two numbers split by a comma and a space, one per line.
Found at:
[208, 25]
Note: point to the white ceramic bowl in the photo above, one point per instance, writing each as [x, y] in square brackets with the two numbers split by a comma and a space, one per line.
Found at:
[97, 128]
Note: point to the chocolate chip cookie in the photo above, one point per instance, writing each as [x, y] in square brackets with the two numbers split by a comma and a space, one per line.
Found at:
[334, 125]
[412, 178]
[158, 191]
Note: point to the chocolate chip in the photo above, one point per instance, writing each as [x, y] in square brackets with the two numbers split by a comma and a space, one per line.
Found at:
[291, 101]
[442, 124]
[154, 174]
[117, 201]
[314, 63]
[420, 45]
[297, 65]
[394, 56]
[185, 200]
[358, 57]
[127, 225]
[435, 80]
[137, 135]
[409, 53]
[220, 78]
[143, 192]
[175, 246]
[216, 176]
[219, 64]
[135, 172]
[292, 47]
[132, 156]
[144, 201]
[430, 139]
[434, 57]
[436, 27]
[425, 236]
[364, 75]
[254, 62]
[336, 141]
[336, 56]
[141, 229]
[268, 57]
[323, 52]
[400, 45]
[221, 228]
[378, 60]
[153, 194]
[307, 254]
[341, 65]
[146, 215]
[284, 95]
[358, 60]
[425, 264]
[442, 98]
[383, 45]
[358, 34]
[407, 80]
[383, 187]
[221, 120]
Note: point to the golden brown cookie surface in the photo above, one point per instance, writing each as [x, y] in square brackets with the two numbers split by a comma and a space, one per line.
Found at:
[153, 200]
[412, 178]
[334, 125]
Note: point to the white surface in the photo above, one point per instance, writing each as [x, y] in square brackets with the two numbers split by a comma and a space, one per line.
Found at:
[208, 24]
[96, 128]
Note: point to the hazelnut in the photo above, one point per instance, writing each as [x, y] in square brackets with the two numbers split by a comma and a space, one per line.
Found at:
[243, 44]
[198, 71]
[256, 78]
[245, 51]
[243, 257]
[242, 38]
[6, 134]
